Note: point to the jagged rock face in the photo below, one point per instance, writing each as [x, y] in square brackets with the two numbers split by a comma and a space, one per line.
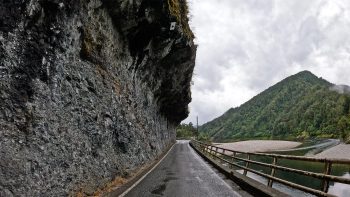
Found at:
[89, 90]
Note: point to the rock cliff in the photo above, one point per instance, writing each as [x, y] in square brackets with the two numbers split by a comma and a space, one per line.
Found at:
[90, 90]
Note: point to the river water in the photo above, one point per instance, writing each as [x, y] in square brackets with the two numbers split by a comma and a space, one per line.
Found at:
[307, 149]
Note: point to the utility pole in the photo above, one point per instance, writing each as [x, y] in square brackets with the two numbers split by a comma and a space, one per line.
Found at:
[197, 126]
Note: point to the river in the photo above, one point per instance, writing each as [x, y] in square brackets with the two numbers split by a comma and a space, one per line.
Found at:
[306, 149]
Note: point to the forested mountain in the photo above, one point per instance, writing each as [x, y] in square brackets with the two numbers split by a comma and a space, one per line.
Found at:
[299, 106]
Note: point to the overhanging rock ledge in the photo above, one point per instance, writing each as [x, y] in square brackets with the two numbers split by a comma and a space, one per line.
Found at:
[90, 90]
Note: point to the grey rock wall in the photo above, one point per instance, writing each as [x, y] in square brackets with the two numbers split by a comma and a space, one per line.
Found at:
[89, 90]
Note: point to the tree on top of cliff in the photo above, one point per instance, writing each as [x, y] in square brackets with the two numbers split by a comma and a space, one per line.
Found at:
[179, 9]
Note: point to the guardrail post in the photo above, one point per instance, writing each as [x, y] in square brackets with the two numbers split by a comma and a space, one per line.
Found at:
[211, 150]
[273, 170]
[233, 158]
[246, 164]
[327, 171]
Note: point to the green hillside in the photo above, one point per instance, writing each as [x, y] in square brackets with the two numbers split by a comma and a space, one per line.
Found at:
[299, 106]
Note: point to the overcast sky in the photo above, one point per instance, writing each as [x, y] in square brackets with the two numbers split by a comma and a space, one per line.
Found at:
[245, 46]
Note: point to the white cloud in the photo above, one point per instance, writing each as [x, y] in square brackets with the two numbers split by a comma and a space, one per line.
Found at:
[245, 46]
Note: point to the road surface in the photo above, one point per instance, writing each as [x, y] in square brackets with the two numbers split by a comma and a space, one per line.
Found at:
[184, 173]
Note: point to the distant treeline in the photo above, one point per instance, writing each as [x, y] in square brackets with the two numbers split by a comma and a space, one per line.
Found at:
[188, 131]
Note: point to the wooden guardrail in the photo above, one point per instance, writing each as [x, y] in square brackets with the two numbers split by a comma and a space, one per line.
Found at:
[230, 157]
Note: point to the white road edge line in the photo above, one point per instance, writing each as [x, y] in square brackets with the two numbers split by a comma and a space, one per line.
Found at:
[144, 176]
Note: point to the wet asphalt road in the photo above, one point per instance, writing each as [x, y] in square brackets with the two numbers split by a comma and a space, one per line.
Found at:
[184, 173]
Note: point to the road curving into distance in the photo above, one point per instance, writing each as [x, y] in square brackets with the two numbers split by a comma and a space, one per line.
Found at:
[184, 173]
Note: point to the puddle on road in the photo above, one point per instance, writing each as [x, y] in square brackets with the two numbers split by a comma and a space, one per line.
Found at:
[159, 190]
[170, 179]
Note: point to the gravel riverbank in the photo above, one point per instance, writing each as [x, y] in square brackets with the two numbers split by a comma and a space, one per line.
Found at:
[341, 151]
[259, 145]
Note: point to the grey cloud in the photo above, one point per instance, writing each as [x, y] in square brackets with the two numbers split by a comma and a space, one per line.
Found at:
[309, 37]
[341, 89]
[245, 46]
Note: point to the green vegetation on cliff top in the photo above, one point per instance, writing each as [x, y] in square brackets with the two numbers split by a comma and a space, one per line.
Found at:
[298, 107]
